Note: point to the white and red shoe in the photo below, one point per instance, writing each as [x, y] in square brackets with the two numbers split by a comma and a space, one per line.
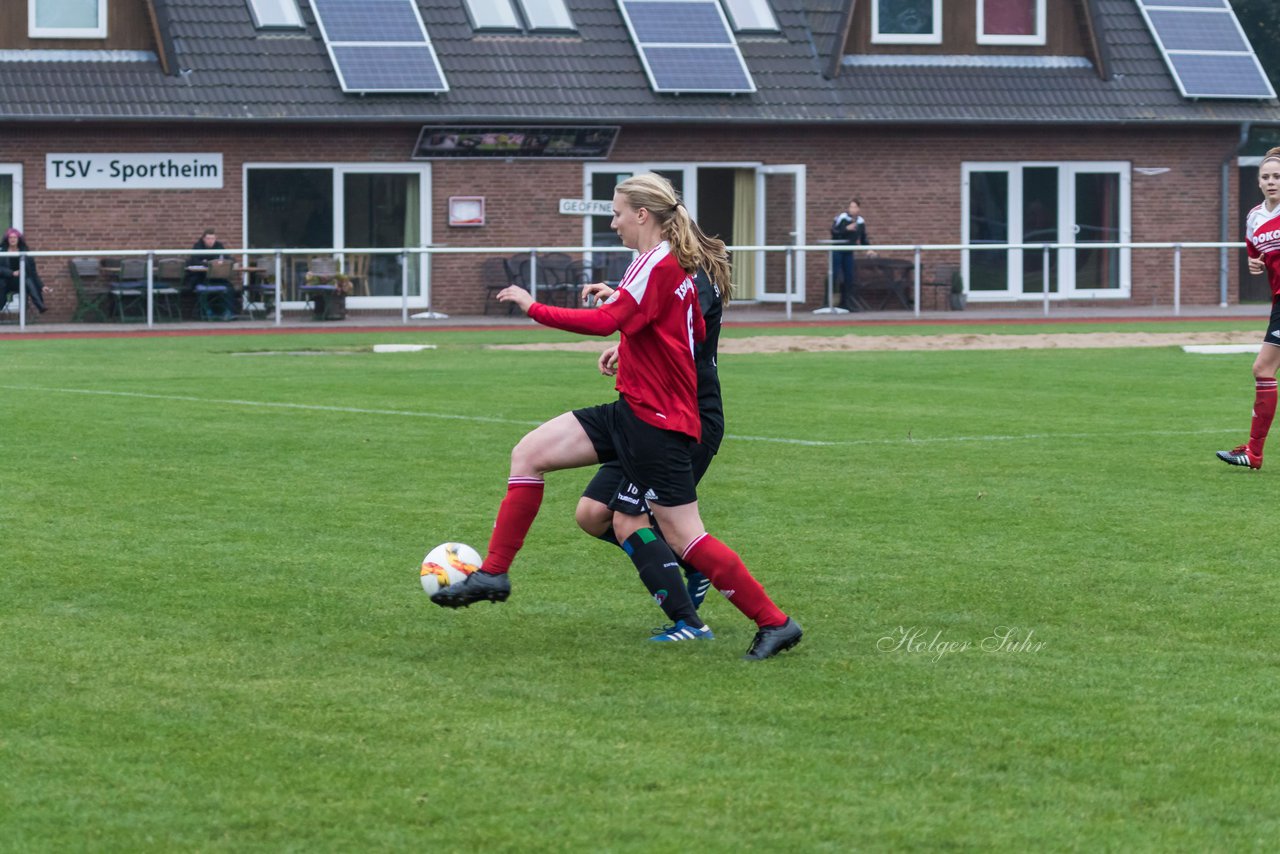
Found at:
[1240, 456]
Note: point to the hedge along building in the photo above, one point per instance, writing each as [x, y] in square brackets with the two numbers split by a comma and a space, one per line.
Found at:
[132, 124]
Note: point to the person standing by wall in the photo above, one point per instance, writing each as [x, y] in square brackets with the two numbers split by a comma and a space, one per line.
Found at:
[850, 228]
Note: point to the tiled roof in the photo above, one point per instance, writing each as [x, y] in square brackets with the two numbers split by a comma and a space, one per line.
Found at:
[231, 70]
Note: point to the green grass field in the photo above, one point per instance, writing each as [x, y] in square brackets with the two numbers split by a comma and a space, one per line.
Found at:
[212, 635]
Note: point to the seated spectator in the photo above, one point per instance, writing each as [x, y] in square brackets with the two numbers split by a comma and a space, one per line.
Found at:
[207, 249]
[10, 274]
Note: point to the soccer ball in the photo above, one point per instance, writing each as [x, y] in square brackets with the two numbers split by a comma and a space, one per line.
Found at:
[448, 563]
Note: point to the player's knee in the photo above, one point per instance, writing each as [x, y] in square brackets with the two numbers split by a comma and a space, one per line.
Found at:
[525, 457]
[625, 525]
[592, 516]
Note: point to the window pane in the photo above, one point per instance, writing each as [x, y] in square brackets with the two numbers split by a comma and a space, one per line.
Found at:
[381, 213]
[1097, 221]
[68, 14]
[906, 17]
[6, 199]
[1039, 225]
[493, 14]
[1009, 17]
[547, 15]
[751, 15]
[290, 209]
[988, 223]
[275, 13]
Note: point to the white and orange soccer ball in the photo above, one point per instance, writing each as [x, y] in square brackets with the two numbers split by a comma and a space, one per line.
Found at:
[448, 563]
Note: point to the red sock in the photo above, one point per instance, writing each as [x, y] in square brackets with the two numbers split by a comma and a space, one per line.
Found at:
[515, 516]
[1264, 410]
[731, 577]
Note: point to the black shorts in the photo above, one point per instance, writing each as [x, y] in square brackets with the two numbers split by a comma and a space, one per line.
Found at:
[659, 462]
[612, 488]
[1273, 325]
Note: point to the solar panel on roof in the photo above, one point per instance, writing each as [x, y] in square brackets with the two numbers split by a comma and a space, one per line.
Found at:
[1190, 4]
[1206, 49]
[690, 69]
[692, 23]
[686, 46]
[1196, 31]
[379, 46]
[1221, 76]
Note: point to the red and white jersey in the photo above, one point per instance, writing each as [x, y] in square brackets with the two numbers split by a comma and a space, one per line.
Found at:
[1262, 240]
[657, 310]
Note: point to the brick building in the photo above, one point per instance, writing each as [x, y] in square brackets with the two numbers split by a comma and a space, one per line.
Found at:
[391, 123]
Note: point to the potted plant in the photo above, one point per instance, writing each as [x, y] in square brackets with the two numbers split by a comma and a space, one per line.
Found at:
[957, 298]
[330, 303]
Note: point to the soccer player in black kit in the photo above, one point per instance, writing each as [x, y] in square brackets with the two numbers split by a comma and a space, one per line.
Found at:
[611, 492]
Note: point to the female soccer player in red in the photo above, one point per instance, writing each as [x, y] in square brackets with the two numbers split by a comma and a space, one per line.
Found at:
[1262, 242]
[611, 506]
[650, 428]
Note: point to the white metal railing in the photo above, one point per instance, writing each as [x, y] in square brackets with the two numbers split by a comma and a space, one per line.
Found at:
[789, 252]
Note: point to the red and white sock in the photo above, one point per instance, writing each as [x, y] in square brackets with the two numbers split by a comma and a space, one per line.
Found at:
[1264, 411]
[515, 516]
[731, 577]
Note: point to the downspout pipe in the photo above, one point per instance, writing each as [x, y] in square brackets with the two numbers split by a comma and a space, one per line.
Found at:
[1225, 237]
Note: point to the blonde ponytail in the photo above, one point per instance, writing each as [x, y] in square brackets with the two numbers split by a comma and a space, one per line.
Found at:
[693, 249]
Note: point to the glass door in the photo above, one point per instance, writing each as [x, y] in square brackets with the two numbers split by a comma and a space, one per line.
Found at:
[332, 207]
[1071, 205]
[780, 221]
[381, 210]
[987, 223]
[1100, 207]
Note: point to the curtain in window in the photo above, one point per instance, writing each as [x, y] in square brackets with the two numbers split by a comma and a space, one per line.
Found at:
[413, 228]
[6, 201]
[1009, 17]
[744, 224]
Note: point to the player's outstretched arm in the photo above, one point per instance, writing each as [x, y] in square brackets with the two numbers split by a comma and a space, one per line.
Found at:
[516, 294]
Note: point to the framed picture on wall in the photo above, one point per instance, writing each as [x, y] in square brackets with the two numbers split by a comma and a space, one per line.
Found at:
[466, 211]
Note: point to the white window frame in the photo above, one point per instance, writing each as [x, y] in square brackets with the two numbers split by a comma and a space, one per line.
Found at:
[878, 37]
[1037, 38]
[566, 26]
[1066, 255]
[518, 19]
[689, 194]
[339, 171]
[287, 8]
[508, 22]
[761, 11]
[14, 171]
[35, 32]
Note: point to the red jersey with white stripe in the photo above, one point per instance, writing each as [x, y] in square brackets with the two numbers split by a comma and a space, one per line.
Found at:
[1262, 240]
[656, 308]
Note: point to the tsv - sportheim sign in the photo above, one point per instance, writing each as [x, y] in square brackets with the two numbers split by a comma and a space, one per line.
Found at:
[183, 171]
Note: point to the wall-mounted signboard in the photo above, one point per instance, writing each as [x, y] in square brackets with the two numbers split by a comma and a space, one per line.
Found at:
[184, 171]
[511, 141]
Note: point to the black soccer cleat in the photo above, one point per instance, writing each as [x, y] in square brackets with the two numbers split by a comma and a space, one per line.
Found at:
[773, 640]
[479, 586]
